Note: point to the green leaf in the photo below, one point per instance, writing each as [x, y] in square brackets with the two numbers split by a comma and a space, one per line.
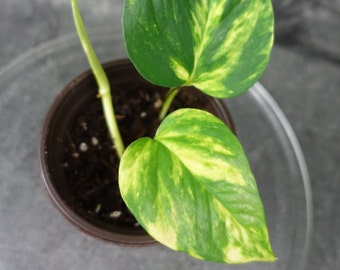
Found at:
[192, 189]
[220, 46]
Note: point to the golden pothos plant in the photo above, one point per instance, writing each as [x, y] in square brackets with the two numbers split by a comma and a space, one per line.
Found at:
[190, 187]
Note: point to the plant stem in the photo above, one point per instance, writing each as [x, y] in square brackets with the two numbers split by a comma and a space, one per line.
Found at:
[168, 101]
[101, 78]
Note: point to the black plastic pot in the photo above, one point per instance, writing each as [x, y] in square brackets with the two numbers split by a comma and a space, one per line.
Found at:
[61, 116]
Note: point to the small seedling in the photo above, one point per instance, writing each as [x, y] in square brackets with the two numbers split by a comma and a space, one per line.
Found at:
[190, 187]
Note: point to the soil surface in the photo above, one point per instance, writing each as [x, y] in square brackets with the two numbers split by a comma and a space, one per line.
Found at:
[90, 162]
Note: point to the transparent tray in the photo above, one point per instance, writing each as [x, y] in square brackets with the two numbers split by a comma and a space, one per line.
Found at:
[32, 231]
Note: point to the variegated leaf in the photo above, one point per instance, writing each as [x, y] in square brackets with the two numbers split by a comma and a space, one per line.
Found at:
[192, 189]
[220, 46]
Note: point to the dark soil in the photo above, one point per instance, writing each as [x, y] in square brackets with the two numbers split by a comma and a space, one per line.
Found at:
[90, 161]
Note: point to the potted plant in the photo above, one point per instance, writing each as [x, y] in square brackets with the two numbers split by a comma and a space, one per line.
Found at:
[188, 184]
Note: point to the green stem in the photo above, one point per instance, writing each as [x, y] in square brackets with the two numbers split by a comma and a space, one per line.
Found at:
[101, 78]
[168, 101]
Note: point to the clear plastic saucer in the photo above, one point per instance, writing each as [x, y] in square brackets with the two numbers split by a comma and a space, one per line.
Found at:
[31, 228]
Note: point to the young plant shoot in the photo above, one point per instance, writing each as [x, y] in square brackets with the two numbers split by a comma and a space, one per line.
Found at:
[104, 91]
[191, 187]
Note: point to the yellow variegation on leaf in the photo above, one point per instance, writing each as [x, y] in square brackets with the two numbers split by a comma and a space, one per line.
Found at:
[192, 189]
[220, 46]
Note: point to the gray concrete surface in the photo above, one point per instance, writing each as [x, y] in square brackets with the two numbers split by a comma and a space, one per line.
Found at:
[303, 76]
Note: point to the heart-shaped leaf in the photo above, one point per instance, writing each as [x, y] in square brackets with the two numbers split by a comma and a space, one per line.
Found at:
[220, 46]
[192, 189]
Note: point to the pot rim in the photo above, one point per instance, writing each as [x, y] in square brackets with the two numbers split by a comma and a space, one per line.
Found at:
[137, 238]
[134, 239]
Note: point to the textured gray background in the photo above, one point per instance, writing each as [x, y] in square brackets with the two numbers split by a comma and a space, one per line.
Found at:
[303, 77]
